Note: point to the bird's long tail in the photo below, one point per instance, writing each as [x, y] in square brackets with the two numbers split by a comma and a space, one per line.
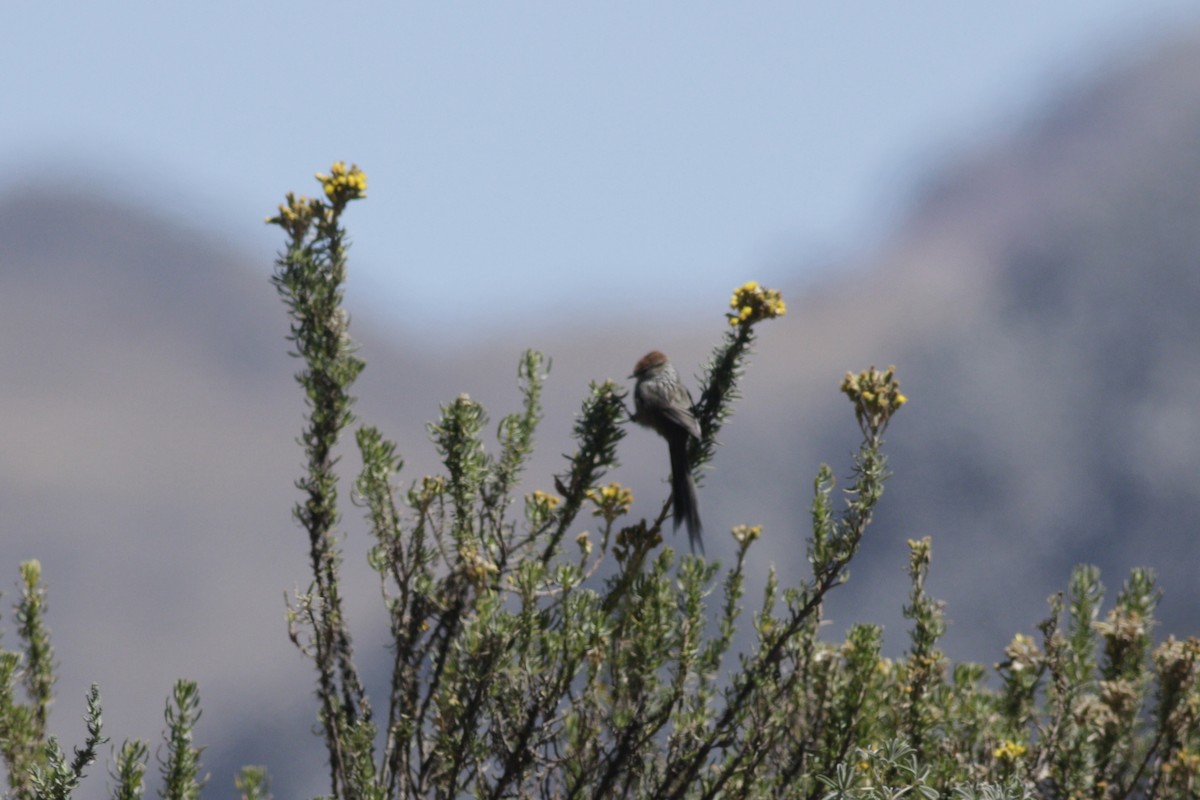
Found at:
[683, 491]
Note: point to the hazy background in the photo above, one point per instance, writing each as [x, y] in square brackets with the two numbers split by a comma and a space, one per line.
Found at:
[1002, 201]
[613, 153]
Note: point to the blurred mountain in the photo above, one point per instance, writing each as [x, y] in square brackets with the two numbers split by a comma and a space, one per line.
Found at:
[1042, 308]
[1041, 304]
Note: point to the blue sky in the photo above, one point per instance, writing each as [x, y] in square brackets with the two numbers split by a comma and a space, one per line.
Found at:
[543, 161]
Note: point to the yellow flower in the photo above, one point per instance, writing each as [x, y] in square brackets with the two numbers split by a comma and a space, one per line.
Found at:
[342, 184]
[477, 566]
[753, 303]
[1184, 760]
[876, 396]
[1009, 751]
[611, 501]
[544, 498]
[297, 215]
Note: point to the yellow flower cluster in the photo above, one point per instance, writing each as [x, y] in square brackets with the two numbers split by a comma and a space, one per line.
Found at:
[343, 183]
[751, 303]
[546, 499]
[477, 567]
[1009, 751]
[876, 396]
[297, 214]
[1184, 761]
[745, 534]
[540, 505]
[611, 501]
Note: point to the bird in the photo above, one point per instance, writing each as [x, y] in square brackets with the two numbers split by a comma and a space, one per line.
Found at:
[663, 403]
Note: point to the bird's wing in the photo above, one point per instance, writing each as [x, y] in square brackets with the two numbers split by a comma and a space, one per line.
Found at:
[684, 418]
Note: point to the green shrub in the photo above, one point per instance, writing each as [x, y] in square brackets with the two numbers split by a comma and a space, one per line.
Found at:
[532, 658]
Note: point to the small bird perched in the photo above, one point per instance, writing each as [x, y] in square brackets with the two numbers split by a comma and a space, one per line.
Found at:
[663, 403]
